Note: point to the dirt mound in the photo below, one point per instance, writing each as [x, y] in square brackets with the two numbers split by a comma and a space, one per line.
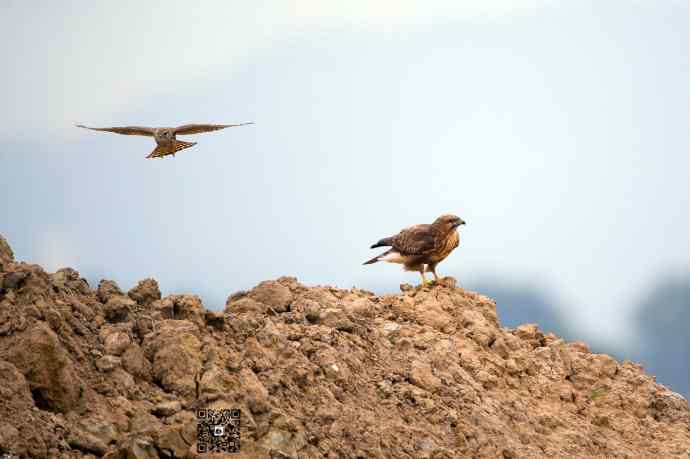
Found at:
[315, 371]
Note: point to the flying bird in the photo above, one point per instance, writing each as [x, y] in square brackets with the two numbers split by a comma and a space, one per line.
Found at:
[166, 138]
[421, 247]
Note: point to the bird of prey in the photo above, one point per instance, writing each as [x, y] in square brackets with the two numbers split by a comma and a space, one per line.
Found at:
[166, 138]
[421, 247]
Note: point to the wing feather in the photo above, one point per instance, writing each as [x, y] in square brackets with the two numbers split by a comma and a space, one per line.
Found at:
[199, 128]
[125, 130]
[416, 240]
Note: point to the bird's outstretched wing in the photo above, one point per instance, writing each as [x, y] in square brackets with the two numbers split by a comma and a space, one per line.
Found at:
[415, 240]
[125, 130]
[199, 128]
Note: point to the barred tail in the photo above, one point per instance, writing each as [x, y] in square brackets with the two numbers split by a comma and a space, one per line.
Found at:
[166, 150]
[373, 260]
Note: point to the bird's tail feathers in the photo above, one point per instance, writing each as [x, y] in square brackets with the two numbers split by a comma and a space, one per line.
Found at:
[161, 151]
[379, 257]
[385, 242]
[372, 261]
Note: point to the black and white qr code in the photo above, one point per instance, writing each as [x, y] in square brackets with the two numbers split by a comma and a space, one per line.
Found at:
[218, 431]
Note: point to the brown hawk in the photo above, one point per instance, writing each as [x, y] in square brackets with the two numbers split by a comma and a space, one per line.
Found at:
[421, 247]
[166, 138]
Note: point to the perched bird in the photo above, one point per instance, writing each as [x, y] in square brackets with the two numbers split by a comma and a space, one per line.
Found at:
[421, 247]
[166, 138]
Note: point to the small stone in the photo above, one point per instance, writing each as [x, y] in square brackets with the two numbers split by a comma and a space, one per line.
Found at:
[85, 441]
[312, 311]
[118, 308]
[428, 403]
[146, 292]
[116, 343]
[54, 319]
[273, 294]
[107, 289]
[391, 328]
[164, 308]
[135, 362]
[108, 363]
[165, 409]
[336, 318]
[188, 307]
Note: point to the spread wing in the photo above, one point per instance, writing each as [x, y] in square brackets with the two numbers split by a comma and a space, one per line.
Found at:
[416, 240]
[199, 128]
[126, 130]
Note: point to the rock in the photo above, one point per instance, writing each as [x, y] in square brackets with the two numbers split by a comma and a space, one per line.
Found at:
[312, 310]
[118, 308]
[244, 305]
[669, 406]
[188, 307]
[172, 441]
[336, 318]
[107, 289]
[176, 355]
[9, 435]
[391, 329]
[122, 380]
[139, 448]
[448, 281]
[429, 312]
[406, 287]
[108, 363]
[422, 376]
[163, 308]
[6, 254]
[85, 441]
[39, 355]
[54, 319]
[214, 382]
[14, 388]
[14, 280]
[135, 362]
[146, 292]
[165, 409]
[68, 278]
[253, 389]
[530, 333]
[116, 343]
[273, 294]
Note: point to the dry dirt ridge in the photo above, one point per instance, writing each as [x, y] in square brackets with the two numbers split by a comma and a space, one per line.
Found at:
[316, 371]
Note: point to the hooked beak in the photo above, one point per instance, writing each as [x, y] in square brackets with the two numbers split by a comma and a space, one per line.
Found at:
[459, 222]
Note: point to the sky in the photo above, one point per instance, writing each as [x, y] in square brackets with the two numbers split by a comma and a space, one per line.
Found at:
[557, 130]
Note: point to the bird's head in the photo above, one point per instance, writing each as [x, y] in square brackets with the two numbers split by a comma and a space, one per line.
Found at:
[448, 222]
[164, 134]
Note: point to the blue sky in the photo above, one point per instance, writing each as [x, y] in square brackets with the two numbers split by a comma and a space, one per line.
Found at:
[557, 130]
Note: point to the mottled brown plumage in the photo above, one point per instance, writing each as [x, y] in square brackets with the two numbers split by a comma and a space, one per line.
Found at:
[166, 138]
[421, 247]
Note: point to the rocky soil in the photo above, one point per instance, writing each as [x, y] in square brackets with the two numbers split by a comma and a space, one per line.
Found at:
[316, 372]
